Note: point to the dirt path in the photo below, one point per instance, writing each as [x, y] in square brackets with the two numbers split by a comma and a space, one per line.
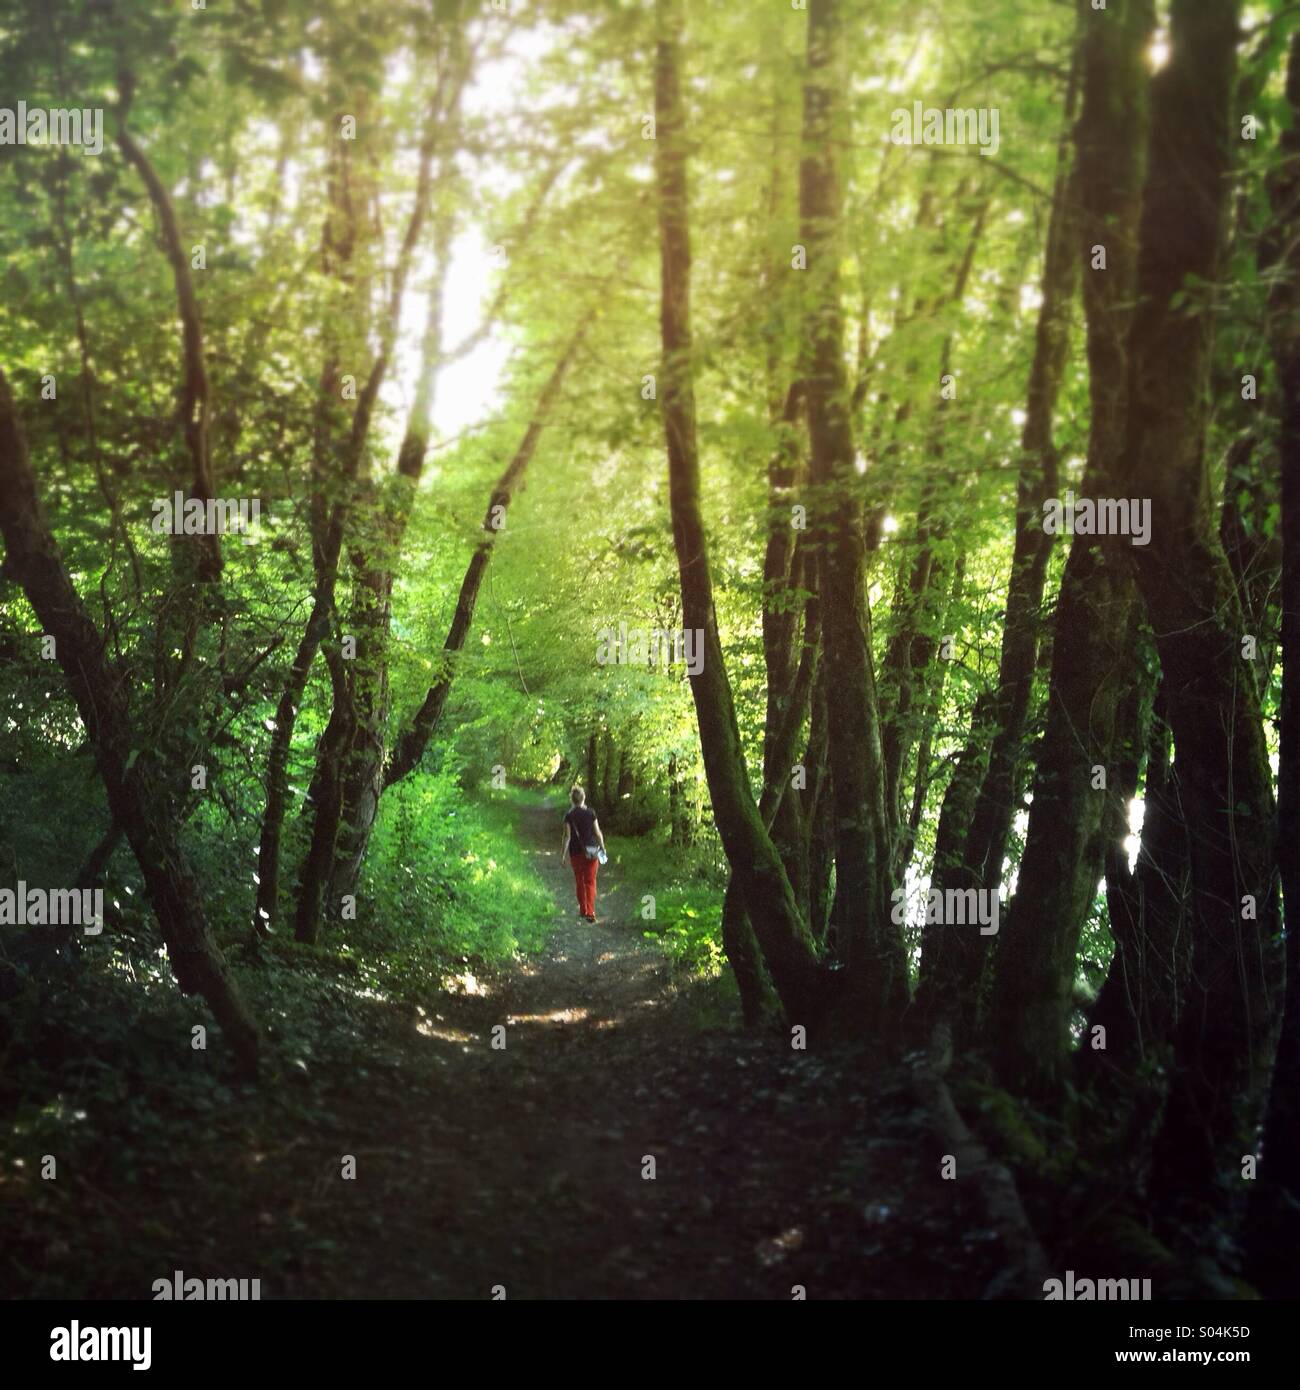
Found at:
[552, 1130]
[528, 1166]
[771, 1167]
[591, 984]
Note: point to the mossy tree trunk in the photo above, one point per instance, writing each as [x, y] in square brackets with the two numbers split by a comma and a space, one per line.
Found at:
[769, 900]
[1062, 861]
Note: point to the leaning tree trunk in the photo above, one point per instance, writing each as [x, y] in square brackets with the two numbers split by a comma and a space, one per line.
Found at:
[769, 900]
[330, 496]
[743, 956]
[951, 978]
[139, 789]
[790, 693]
[196, 560]
[952, 959]
[413, 740]
[199, 558]
[378, 550]
[780, 623]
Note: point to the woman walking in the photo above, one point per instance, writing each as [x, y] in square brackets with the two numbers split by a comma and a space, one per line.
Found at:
[585, 846]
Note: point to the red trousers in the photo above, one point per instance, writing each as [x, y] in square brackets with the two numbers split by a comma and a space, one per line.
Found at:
[584, 876]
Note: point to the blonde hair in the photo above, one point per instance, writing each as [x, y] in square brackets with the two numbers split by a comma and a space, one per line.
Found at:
[577, 796]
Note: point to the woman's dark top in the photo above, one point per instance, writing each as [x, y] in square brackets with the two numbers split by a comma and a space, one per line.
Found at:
[581, 821]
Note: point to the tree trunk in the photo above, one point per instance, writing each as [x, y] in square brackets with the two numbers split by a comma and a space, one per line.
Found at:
[951, 957]
[1062, 861]
[378, 550]
[786, 700]
[1227, 1030]
[757, 1000]
[819, 817]
[1139, 1002]
[352, 746]
[138, 786]
[905, 844]
[198, 558]
[986, 842]
[410, 745]
[910, 677]
[331, 483]
[327, 799]
[876, 985]
[609, 769]
[769, 900]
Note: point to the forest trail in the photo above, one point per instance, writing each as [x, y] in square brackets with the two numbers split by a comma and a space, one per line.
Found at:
[589, 984]
[524, 1167]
